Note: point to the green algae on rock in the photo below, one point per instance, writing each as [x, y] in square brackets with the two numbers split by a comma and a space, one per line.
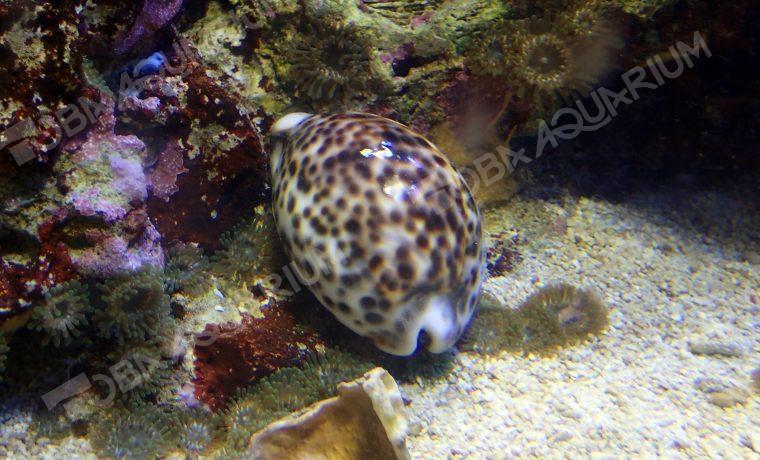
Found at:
[402, 11]
[260, 14]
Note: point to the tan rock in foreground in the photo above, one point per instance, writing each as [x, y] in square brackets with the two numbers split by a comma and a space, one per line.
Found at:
[366, 420]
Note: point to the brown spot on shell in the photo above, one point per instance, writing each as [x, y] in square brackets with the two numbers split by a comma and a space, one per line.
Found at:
[373, 318]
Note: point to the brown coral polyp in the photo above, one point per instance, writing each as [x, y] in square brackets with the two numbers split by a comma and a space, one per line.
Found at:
[546, 62]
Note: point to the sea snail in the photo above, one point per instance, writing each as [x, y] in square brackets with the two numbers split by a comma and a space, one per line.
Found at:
[380, 227]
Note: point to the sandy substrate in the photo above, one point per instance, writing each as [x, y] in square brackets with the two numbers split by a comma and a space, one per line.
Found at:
[676, 268]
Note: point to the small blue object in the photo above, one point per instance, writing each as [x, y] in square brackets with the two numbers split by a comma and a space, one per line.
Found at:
[150, 65]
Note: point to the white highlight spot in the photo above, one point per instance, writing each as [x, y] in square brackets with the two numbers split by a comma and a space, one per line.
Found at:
[289, 121]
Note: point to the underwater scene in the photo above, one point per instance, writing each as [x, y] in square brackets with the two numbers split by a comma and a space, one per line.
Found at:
[379, 229]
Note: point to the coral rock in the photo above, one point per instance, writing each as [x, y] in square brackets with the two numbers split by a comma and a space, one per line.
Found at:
[103, 204]
[242, 353]
[20, 284]
[163, 180]
[366, 420]
[155, 14]
[216, 166]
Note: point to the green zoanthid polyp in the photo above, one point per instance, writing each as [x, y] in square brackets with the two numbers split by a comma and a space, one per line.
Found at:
[380, 226]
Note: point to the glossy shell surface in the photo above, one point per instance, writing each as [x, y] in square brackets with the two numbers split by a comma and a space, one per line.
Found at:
[380, 226]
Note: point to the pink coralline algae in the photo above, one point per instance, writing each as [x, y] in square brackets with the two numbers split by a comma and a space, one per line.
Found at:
[148, 105]
[154, 15]
[90, 203]
[104, 179]
[129, 178]
[422, 19]
[98, 141]
[105, 175]
[133, 244]
[128, 183]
